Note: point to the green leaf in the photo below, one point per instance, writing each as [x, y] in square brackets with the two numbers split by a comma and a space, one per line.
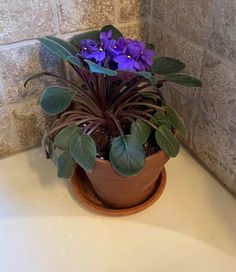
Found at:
[57, 48]
[52, 151]
[127, 155]
[56, 99]
[160, 118]
[167, 141]
[64, 137]
[115, 32]
[150, 46]
[95, 68]
[74, 60]
[83, 150]
[64, 44]
[166, 65]
[34, 76]
[65, 165]
[144, 74]
[153, 80]
[140, 131]
[184, 80]
[92, 35]
[176, 121]
[62, 49]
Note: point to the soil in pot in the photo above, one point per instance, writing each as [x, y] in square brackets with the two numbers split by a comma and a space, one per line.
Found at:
[103, 138]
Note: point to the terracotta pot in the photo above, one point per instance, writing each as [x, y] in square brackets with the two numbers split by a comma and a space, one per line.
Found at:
[123, 192]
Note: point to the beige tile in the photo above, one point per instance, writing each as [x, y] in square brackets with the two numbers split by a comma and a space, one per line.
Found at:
[172, 11]
[216, 148]
[133, 9]
[158, 10]
[135, 30]
[222, 30]
[192, 19]
[218, 96]
[234, 186]
[157, 37]
[180, 48]
[25, 19]
[190, 54]
[29, 123]
[1, 93]
[81, 14]
[17, 63]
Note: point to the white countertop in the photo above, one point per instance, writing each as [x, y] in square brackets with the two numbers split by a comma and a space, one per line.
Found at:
[192, 227]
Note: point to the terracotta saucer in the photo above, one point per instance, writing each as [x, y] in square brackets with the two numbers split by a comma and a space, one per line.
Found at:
[86, 195]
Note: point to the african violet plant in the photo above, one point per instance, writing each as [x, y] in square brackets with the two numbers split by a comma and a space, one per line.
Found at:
[117, 112]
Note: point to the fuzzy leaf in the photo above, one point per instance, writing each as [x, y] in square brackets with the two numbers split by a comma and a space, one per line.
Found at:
[166, 65]
[140, 131]
[83, 150]
[160, 118]
[34, 76]
[65, 165]
[115, 32]
[74, 60]
[52, 151]
[63, 43]
[184, 80]
[64, 137]
[127, 155]
[57, 47]
[176, 121]
[144, 74]
[92, 35]
[56, 99]
[153, 80]
[95, 68]
[167, 141]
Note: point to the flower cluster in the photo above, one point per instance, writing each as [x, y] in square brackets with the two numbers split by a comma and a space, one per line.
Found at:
[123, 54]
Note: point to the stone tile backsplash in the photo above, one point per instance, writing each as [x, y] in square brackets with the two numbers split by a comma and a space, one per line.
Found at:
[25, 19]
[19, 62]
[21, 120]
[202, 34]
[77, 15]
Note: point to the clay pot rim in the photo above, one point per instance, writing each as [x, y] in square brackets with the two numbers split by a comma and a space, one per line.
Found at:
[147, 158]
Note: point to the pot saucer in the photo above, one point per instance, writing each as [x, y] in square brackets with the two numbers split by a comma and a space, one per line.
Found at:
[84, 192]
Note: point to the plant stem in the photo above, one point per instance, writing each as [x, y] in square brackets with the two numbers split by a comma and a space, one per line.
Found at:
[139, 104]
[93, 127]
[116, 121]
[144, 120]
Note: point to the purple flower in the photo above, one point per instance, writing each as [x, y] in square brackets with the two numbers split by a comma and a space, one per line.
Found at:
[120, 46]
[104, 48]
[132, 55]
[127, 59]
[123, 54]
[87, 47]
[145, 58]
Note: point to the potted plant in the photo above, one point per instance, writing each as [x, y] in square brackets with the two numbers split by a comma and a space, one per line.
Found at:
[116, 124]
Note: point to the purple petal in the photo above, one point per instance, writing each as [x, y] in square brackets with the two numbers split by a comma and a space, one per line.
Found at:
[98, 56]
[133, 50]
